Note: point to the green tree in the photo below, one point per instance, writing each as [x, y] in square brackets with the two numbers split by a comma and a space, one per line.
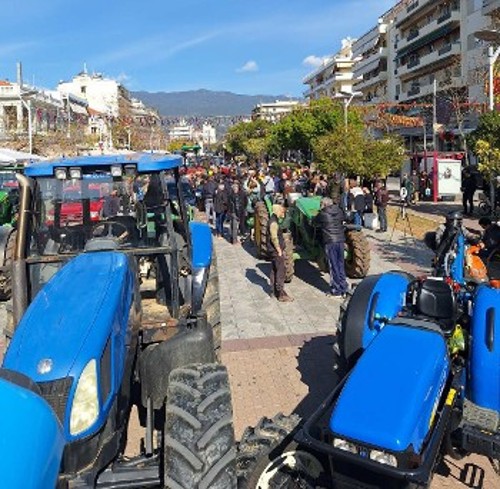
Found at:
[350, 151]
[488, 129]
[299, 130]
[489, 158]
[240, 134]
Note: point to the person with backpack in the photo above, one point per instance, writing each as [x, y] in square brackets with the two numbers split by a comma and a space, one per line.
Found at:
[381, 201]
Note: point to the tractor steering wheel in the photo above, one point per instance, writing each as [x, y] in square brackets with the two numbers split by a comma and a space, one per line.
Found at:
[110, 229]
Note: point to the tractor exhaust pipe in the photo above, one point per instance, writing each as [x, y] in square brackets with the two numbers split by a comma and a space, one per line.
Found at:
[19, 277]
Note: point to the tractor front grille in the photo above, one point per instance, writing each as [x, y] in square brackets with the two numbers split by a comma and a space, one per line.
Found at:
[56, 393]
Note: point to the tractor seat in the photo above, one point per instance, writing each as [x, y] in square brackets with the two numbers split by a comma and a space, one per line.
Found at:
[435, 300]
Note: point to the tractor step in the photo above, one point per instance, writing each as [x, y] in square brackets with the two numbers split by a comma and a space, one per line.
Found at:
[476, 440]
[482, 418]
[136, 472]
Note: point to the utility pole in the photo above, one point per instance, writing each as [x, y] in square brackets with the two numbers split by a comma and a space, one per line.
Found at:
[434, 139]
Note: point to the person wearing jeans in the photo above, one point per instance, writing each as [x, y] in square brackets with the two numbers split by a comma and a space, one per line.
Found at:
[220, 207]
[208, 191]
[331, 221]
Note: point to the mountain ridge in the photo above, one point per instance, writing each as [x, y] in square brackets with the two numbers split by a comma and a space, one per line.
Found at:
[203, 102]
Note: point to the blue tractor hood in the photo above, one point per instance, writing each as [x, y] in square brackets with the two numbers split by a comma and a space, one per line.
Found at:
[72, 317]
[391, 396]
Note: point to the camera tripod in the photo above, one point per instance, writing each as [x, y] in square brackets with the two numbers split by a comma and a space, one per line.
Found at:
[402, 214]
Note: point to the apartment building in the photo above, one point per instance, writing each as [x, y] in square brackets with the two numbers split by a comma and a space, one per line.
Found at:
[334, 76]
[370, 72]
[274, 111]
[103, 95]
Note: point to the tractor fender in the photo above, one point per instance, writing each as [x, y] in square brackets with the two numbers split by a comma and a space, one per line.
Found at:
[32, 441]
[376, 300]
[5, 232]
[396, 387]
[484, 366]
[192, 344]
[201, 258]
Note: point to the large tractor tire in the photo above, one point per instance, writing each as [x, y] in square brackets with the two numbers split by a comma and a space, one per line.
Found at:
[357, 262]
[199, 444]
[289, 261]
[6, 275]
[261, 222]
[211, 305]
[269, 458]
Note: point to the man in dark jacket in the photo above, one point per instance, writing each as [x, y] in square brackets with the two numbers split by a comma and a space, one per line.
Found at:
[236, 210]
[331, 221]
[208, 193]
[220, 207]
[276, 250]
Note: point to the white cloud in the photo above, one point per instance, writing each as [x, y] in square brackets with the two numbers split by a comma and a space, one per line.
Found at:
[248, 67]
[314, 61]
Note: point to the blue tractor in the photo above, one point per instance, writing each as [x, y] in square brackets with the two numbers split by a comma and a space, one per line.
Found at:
[115, 311]
[420, 380]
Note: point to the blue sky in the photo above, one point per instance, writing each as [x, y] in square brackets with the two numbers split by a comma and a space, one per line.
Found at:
[243, 46]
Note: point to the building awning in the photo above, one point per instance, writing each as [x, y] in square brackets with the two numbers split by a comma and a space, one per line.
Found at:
[419, 43]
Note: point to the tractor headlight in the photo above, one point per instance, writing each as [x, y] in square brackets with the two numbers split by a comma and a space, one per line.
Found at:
[85, 408]
[345, 445]
[116, 171]
[383, 458]
[61, 173]
[75, 173]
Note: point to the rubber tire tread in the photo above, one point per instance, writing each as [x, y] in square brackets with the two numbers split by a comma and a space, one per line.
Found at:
[199, 444]
[257, 445]
[289, 261]
[261, 222]
[359, 247]
[211, 305]
[6, 288]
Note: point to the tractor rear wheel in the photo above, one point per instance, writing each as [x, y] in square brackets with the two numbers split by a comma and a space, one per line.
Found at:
[199, 446]
[211, 305]
[268, 458]
[261, 220]
[357, 262]
[6, 276]
[289, 261]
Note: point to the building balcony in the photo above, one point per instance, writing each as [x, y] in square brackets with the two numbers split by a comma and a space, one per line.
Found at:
[407, 13]
[427, 88]
[370, 82]
[444, 23]
[367, 62]
[433, 58]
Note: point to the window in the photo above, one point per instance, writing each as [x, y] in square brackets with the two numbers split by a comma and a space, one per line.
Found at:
[83, 89]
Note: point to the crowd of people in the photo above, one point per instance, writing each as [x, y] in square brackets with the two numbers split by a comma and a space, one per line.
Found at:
[229, 194]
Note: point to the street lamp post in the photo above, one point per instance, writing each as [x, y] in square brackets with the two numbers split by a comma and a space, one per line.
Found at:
[491, 36]
[347, 98]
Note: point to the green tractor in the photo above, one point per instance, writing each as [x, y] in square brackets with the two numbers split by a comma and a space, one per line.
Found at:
[303, 238]
[9, 201]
